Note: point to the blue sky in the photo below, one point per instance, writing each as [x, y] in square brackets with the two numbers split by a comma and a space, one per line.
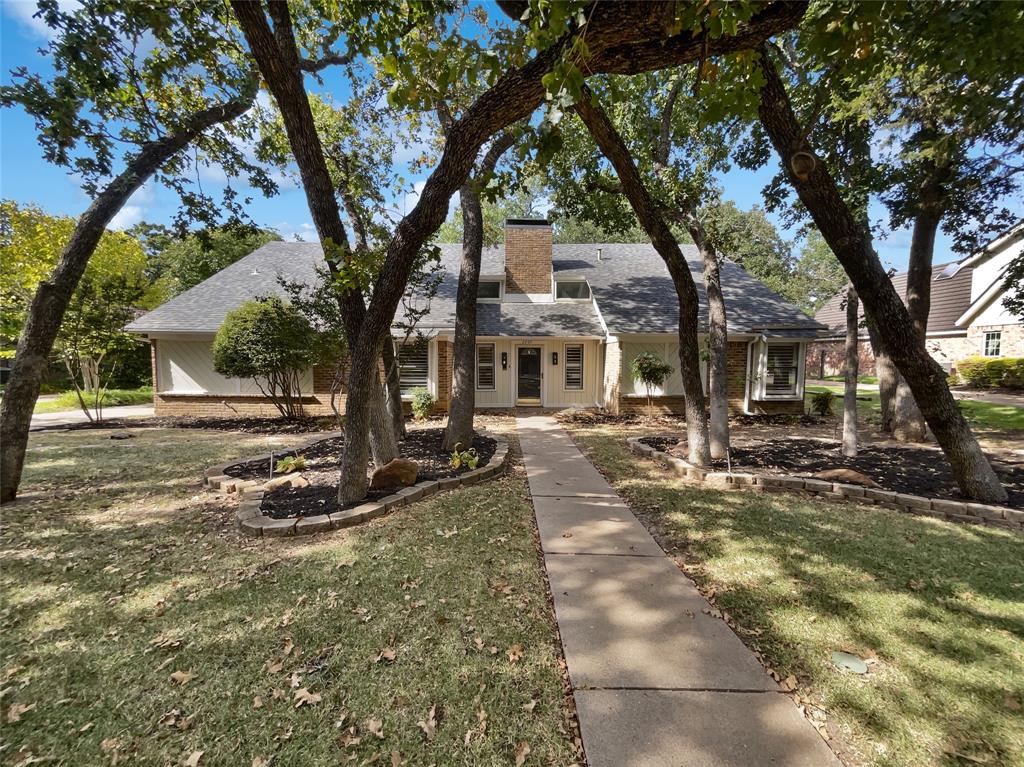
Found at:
[27, 178]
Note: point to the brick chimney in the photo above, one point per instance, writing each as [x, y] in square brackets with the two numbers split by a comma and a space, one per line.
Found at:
[527, 258]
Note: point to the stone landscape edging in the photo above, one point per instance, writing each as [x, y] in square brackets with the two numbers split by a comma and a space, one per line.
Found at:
[940, 508]
[252, 521]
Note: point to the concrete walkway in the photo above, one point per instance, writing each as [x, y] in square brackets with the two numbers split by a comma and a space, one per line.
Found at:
[69, 417]
[657, 682]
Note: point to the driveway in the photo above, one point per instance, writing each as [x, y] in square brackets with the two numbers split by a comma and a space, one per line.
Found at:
[70, 417]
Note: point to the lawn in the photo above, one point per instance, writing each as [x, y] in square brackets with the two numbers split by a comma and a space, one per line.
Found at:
[936, 608]
[140, 628]
[981, 414]
[114, 397]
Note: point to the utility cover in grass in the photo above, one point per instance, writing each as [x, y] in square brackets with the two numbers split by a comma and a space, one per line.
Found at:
[845, 660]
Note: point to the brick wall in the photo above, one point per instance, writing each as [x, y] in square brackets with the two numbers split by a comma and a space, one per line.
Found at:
[445, 368]
[736, 380]
[1011, 341]
[612, 382]
[527, 259]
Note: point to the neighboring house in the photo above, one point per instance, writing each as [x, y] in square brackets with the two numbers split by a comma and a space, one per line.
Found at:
[966, 317]
[557, 327]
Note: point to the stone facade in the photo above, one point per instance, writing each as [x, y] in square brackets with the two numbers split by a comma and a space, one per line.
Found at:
[1011, 341]
[527, 259]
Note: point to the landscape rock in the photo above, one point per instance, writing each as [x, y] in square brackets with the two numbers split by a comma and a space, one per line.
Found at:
[846, 475]
[400, 472]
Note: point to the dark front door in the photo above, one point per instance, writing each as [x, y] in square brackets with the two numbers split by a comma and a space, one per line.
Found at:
[528, 377]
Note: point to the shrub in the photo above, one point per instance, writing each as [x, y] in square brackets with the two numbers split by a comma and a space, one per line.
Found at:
[270, 342]
[821, 402]
[422, 403]
[290, 463]
[650, 370]
[989, 372]
[467, 458]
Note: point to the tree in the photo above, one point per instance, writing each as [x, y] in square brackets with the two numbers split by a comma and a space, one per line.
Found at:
[850, 387]
[131, 87]
[851, 242]
[272, 343]
[751, 240]
[817, 275]
[179, 263]
[652, 371]
[620, 37]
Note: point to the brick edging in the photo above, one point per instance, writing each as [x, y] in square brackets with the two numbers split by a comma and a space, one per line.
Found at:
[940, 508]
[252, 521]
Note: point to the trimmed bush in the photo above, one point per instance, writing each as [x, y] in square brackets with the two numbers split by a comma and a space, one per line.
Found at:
[992, 372]
[422, 403]
[821, 402]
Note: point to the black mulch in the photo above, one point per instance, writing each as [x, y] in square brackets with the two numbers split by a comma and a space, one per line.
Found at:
[249, 425]
[913, 470]
[323, 464]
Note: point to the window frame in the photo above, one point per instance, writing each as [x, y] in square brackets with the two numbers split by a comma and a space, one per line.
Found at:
[407, 395]
[580, 281]
[797, 365]
[493, 366]
[494, 299]
[992, 335]
[565, 367]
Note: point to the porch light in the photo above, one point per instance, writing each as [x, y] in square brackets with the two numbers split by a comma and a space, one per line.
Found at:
[554, 358]
[504, 360]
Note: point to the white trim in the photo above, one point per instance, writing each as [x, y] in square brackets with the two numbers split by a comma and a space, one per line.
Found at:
[501, 291]
[554, 290]
[515, 372]
[528, 298]
[994, 291]
[1000, 243]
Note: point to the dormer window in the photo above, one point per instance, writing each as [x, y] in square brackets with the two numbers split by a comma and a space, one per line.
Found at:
[572, 290]
[488, 290]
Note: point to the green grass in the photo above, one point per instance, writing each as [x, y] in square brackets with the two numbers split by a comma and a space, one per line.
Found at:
[860, 379]
[982, 414]
[120, 573]
[114, 397]
[937, 607]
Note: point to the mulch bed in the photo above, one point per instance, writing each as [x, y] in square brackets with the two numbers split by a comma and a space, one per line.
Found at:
[913, 470]
[249, 425]
[323, 462]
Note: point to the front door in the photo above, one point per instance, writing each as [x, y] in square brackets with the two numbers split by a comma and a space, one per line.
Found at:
[528, 375]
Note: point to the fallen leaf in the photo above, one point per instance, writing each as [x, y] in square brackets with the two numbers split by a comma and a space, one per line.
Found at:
[275, 667]
[14, 712]
[429, 725]
[789, 683]
[396, 759]
[193, 759]
[522, 751]
[304, 697]
[182, 677]
[287, 645]
[257, 702]
[387, 654]
[529, 707]
[1012, 703]
[286, 619]
[374, 727]
[295, 680]
[259, 761]
[515, 652]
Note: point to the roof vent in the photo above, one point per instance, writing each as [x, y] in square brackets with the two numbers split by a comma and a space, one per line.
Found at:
[255, 271]
[599, 254]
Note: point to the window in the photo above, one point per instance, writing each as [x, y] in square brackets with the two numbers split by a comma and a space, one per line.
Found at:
[992, 343]
[485, 366]
[413, 366]
[572, 289]
[488, 290]
[781, 370]
[574, 366]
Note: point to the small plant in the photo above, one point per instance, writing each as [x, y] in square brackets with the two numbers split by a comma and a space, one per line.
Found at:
[821, 402]
[290, 463]
[462, 458]
[650, 370]
[422, 403]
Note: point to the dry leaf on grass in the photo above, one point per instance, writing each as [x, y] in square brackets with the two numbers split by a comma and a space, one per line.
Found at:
[182, 677]
[515, 652]
[259, 761]
[15, 712]
[529, 707]
[522, 751]
[286, 619]
[374, 727]
[429, 725]
[193, 759]
[386, 654]
[257, 702]
[304, 697]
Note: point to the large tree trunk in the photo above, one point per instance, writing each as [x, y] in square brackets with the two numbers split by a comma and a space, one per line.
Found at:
[462, 402]
[393, 389]
[277, 57]
[383, 440]
[651, 219]
[886, 373]
[46, 311]
[852, 363]
[718, 338]
[908, 422]
[851, 244]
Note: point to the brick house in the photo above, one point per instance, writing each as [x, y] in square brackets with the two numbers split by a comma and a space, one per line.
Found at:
[557, 327]
[966, 317]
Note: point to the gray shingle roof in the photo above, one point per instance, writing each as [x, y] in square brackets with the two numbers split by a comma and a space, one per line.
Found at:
[630, 283]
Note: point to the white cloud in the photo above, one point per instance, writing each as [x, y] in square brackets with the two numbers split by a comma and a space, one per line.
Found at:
[413, 197]
[304, 231]
[24, 12]
[127, 217]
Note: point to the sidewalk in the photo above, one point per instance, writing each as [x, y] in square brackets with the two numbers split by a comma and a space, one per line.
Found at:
[69, 417]
[657, 681]
[979, 395]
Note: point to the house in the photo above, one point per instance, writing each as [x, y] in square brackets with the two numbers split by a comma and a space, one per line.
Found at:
[966, 317]
[557, 327]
